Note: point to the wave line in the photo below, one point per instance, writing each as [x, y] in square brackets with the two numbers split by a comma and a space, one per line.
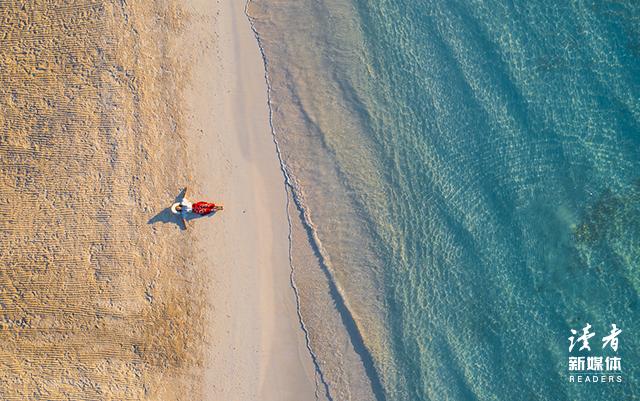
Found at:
[289, 186]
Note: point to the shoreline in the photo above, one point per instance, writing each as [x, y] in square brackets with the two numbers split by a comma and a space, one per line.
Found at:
[256, 348]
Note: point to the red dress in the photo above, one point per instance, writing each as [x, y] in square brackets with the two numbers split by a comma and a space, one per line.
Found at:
[203, 208]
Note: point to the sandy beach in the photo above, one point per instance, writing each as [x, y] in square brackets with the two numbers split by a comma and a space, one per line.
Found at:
[257, 348]
[109, 109]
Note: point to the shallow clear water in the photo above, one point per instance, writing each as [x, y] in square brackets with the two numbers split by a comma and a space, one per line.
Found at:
[465, 186]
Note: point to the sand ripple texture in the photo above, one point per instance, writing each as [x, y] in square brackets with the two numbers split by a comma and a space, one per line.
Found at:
[95, 302]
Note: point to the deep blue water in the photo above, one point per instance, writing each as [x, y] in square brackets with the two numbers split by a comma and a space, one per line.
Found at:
[470, 173]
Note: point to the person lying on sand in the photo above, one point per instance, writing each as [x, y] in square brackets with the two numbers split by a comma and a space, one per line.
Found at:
[185, 206]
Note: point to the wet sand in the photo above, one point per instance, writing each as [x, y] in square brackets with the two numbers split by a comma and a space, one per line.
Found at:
[109, 108]
[257, 349]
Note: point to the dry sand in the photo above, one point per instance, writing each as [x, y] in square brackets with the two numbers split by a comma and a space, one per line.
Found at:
[108, 109]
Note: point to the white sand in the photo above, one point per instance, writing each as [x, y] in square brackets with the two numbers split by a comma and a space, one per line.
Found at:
[256, 349]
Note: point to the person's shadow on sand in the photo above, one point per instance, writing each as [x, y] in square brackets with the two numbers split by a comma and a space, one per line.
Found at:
[166, 216]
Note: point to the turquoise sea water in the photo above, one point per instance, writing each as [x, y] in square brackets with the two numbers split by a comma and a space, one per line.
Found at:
[464, 179]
